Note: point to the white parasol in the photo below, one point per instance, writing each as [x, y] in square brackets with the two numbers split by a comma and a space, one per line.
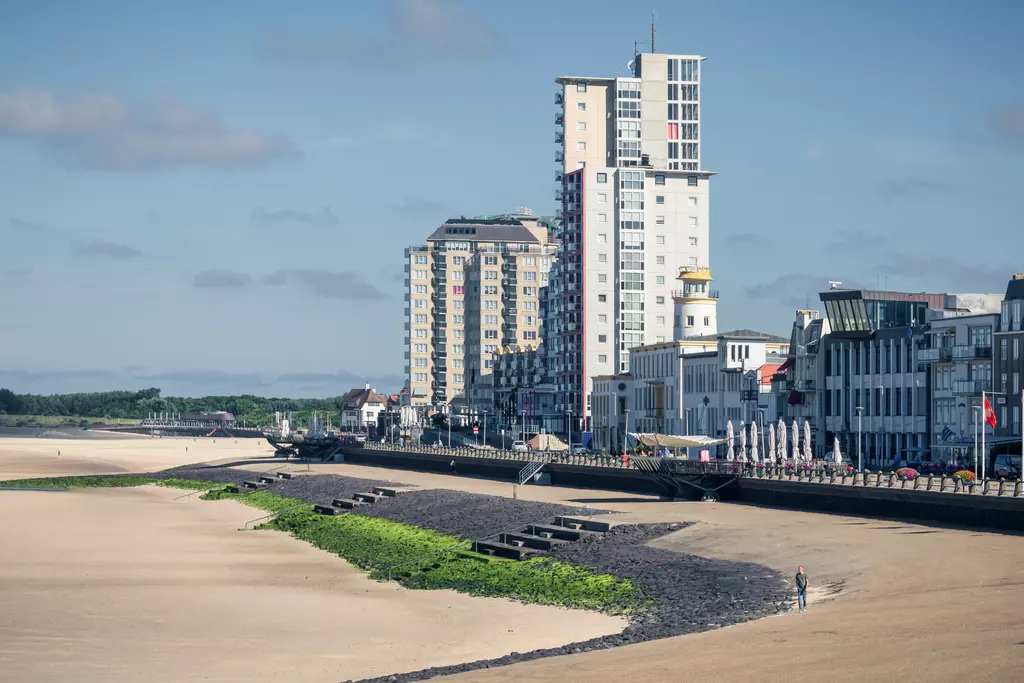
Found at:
[729, 435]
[782, 440]
[770, 455]
[796, 440]
[835, 451]
[743, 441]
[755, 456]
[808, 451]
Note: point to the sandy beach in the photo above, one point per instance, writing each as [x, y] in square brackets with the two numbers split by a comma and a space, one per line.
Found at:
[129, 584]
[890, 600]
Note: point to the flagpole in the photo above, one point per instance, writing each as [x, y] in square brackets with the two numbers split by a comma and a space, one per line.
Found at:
[984, 421]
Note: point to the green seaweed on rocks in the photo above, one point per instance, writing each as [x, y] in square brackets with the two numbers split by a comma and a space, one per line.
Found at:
[105, 481]
[424, 559]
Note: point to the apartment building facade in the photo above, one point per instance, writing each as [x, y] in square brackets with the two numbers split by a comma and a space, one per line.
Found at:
[1008, 361]
[634, 208]
[877, 358]
[959, 363]
[472, 289]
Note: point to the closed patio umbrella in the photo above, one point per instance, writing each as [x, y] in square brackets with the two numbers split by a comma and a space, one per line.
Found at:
[796, 440]
[835, 451]
[755, 457]
[771, 454]
[729, 435]
[743, 441]
[782, 440]
[808, 451]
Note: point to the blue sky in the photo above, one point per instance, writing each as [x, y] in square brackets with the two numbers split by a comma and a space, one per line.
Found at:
[214, 197]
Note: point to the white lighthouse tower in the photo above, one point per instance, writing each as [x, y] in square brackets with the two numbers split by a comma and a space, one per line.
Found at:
[696, 304]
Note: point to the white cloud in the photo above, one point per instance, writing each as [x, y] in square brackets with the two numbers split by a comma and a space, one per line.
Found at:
[101, 130]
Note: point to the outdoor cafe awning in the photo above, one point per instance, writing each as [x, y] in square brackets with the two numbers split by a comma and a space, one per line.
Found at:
[674, 441]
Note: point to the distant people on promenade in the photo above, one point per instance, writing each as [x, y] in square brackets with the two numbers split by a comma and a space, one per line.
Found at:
[801, 589]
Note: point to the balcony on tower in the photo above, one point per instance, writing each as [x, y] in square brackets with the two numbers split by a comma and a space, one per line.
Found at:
[695, 284]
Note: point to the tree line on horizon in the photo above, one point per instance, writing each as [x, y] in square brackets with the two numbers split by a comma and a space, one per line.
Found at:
[138, 405]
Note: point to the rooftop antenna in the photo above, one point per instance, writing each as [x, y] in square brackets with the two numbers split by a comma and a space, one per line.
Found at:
[654, 16]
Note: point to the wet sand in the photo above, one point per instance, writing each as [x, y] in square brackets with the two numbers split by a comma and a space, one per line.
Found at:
[129, 584]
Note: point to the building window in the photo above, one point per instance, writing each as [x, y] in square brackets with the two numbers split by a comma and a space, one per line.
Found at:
[581, 146]
[689, 321]
[529, 276]
[691, 201]
[691, 221]
[660, 239]
[659, 180]
[490, 260]
[659, 199]
[660, 320]
[1002, 349]
[1016, 349]
[581, 87]
[602, 197]
[602, 218]
[602, 238]
[602, 318]
[602, 338]
[581, 106]
[660, 260]
[602, 278]
[659, 280]
[602, 258]
[602, 298]
[693, 241]
[707, 321]
[691, 181]
[660, 220]
[602, 358]
[659, 300]
[602, 177]
[581, 125]
[489, 334]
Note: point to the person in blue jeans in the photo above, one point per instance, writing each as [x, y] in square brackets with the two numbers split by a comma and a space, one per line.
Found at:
[801, 589]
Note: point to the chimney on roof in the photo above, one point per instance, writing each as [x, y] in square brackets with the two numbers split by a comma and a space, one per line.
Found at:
[1019, 276]
[367, 386]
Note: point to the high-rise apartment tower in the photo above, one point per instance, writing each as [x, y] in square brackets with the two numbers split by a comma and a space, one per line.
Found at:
[634, 205]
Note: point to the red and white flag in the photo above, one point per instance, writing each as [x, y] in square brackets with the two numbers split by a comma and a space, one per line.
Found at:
[990, 415]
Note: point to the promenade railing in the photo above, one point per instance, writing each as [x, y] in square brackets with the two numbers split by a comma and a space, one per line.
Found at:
[815, 472]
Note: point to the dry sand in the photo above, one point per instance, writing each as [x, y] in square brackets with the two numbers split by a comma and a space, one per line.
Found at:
[917, 603]
[129, 584]
[105, 453]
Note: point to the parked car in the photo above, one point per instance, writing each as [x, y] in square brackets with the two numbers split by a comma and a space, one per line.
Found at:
[1006, 467]
[578, 449]
[519, 446]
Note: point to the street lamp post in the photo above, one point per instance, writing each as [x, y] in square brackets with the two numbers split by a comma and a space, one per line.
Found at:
[568, 424]
[625, 432]
[449, 428]
[485, 426]
[860, 463]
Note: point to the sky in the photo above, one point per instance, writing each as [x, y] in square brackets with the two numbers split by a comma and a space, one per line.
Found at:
[214, 198]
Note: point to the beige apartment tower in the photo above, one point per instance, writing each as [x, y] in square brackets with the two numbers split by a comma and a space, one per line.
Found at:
[474, 288]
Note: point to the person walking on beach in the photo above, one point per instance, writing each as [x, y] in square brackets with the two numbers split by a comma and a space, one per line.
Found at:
[801, 589]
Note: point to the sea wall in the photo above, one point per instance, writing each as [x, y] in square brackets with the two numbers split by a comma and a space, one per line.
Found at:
[1002, 512]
